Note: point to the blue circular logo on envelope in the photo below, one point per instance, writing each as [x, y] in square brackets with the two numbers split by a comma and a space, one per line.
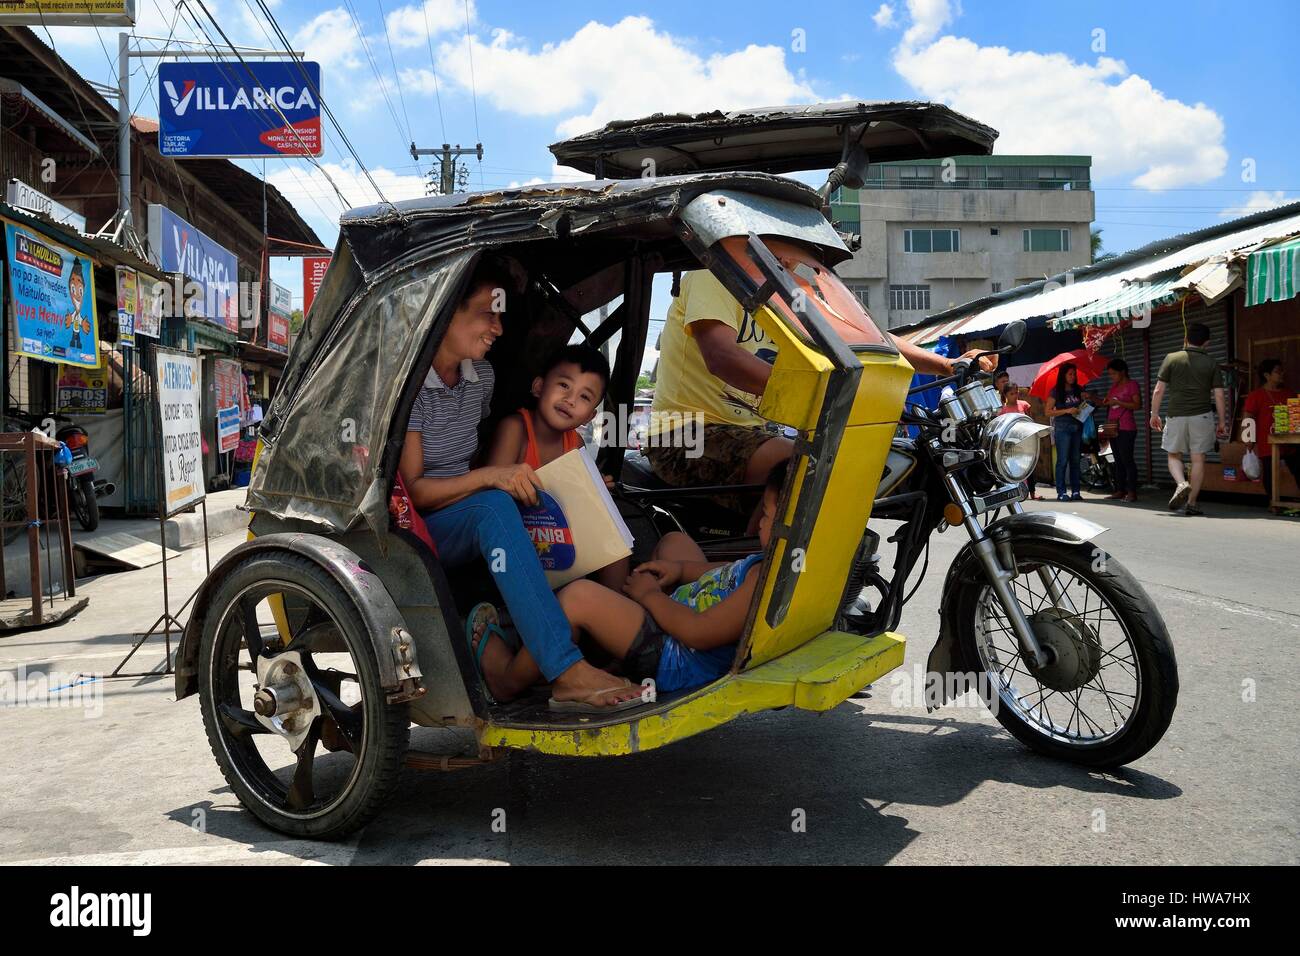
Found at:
[552, 537]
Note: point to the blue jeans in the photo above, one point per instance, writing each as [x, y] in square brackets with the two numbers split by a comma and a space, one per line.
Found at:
[1069, 445]
[487, 524]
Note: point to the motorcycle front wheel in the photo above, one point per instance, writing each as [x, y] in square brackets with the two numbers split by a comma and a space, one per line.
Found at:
[1110, 692]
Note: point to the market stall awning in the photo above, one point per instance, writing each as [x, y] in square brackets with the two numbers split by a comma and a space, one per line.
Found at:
[1134, 300]
[1273, 273]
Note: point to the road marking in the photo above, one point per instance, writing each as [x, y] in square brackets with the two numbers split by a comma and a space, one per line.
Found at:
[1232, 607]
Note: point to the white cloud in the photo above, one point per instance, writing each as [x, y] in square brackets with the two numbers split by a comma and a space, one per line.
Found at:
[331, 39]
[1258, 201]
[412, 25]
[1050, 103]
[884, 17]
[626, 70]
[311, 194]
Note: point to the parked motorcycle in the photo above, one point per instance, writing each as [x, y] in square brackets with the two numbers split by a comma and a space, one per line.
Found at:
[84, 490]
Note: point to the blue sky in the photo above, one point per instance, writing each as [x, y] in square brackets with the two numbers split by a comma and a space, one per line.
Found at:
[1185, 107]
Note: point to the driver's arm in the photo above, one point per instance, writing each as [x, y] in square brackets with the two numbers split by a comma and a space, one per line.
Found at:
[929, 363]
[728, 361]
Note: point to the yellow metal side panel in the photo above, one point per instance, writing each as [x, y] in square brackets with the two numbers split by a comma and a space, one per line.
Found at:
[881, 390]
[845, 509]
[861, 664]
[276, 602]
[713, 706]
[794, 392]
[817, 676]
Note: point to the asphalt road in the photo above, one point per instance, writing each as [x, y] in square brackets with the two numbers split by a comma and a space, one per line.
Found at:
[877, 780]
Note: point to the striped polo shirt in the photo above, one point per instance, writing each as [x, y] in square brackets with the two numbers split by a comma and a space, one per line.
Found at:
[447, 418]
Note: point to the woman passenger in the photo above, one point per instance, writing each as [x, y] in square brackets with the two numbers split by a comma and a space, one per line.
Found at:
[472, 512]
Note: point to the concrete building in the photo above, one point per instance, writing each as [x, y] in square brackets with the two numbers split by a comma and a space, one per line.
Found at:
[936, 233]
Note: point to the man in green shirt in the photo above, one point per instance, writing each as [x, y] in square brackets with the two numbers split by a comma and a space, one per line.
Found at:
[1190, 377]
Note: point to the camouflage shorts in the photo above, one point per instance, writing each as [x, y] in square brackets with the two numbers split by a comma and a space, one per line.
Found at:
[726, 453]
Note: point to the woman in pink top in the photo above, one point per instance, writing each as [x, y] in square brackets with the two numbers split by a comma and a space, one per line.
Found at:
[1123, 399]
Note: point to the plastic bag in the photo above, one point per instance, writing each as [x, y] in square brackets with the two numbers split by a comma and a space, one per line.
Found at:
[1250, 465]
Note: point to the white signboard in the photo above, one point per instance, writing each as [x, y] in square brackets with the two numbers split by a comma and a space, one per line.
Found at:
[18, 193]
[178, 389]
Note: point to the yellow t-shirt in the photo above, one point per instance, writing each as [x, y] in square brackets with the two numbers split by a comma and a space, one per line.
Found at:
[684, 383]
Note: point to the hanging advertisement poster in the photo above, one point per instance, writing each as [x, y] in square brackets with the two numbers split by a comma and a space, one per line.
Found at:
[128, 305]
[313, 274]
[179, 394]
[229, 385]
[82, 391]
[210, 269]
[153, 294]
[52, 299]
[277, 325]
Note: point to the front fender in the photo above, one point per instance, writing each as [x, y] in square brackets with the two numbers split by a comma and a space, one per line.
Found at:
[399, 672]
[945, 666]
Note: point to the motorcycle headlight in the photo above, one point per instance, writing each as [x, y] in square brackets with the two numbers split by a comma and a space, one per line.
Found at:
[1011, 442]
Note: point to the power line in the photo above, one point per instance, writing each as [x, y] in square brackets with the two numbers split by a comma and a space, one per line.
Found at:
[383, 18]
[473, 88]
[306, 151]
[383, 85]
[275, 25]
[437, 95]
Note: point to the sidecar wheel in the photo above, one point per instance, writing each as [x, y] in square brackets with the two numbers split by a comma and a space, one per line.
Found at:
[1111, 693]
[297, 721]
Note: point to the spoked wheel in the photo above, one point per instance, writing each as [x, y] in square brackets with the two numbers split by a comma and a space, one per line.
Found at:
[291, 699]
[1109, 692]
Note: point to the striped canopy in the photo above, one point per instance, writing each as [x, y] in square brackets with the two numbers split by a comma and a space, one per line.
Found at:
[1130, 302]
[1273, 273]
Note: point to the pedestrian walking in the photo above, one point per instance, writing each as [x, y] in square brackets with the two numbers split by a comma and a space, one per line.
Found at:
[1191, 379]
[1124, 399]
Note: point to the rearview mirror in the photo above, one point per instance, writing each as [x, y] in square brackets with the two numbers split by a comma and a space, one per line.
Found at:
[851, 170]
[1012, 337]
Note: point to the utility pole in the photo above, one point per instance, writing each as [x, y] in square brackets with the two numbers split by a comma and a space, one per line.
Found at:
[123, 225]
[447, 161]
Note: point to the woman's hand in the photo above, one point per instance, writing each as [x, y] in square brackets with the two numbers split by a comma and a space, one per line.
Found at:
[640, 585]
[518, 481]
[667, 573]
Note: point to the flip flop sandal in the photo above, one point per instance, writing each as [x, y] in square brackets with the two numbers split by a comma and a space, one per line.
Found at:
[586, 707]
[486, 614]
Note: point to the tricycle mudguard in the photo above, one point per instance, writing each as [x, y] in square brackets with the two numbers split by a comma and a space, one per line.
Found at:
[942, 670]
[399, 673]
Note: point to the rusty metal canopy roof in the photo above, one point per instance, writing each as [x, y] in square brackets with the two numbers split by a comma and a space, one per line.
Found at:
[773, 139]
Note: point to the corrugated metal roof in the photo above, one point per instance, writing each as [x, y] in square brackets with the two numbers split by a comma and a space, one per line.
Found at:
[1064, 293]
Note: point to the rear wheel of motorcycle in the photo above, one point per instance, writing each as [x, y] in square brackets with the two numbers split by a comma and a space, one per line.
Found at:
[1112, 694]
[84, 503]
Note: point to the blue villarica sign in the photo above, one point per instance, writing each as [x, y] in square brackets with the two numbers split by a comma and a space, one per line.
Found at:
[211, 270]
[229, 109]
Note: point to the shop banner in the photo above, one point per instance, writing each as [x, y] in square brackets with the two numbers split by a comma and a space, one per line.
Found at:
[128, 305]
[227, 109]
[213, 270]
[82, 391]
[68, 13]
[277, 326]
[230, 401]
[179, 402]
[52, 299]
[313, 274]
[152, 293]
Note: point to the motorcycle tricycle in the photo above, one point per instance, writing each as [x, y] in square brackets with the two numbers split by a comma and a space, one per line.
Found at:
[316, 644]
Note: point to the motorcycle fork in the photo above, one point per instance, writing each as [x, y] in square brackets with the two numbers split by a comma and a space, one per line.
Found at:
[1049, 583]
[999, 565]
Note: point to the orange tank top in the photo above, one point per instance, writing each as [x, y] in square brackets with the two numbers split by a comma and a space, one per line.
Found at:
[531, 456]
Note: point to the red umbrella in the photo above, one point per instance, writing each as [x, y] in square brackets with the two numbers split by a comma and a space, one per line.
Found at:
[1089, 365]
